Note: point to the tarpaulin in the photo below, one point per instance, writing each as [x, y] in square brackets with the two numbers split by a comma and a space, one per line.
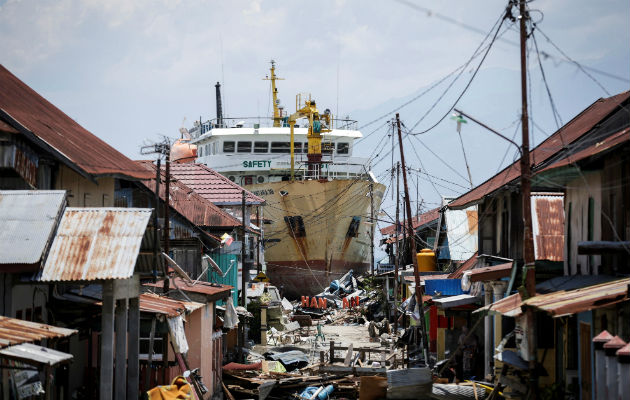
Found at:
[178, 389]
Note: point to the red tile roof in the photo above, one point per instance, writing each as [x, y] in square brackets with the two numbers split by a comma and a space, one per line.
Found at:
[417, 221]
[190, 204]
[40, 121]
[212, 185]
[569, 133]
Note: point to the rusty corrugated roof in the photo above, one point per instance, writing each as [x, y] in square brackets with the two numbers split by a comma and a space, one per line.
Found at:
[214, 290]
[212, 186]
[417, 221]
[466, 266]
[569, 302]
[189, 203]
[35, 117]
[491, 273]
[14, 331]
[154, 303]
[548, 226]
[96, 243]
[568, 134]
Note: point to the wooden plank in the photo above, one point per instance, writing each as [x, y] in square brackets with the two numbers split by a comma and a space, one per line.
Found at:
[348, 359]
[340, 369]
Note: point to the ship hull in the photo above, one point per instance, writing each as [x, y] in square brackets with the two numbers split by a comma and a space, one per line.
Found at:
[315, 231]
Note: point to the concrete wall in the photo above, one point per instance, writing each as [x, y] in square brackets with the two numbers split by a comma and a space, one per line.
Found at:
[84, 193]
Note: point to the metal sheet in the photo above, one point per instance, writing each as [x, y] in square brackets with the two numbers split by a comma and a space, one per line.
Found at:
[34, 115]
[15, 331]
[570, 132]
[33, 354]
[461, 231]
[495, 272]
[28, 219]
[213, 290]
[96, 243]
[153, 303]
[548, 226]
[454, 301]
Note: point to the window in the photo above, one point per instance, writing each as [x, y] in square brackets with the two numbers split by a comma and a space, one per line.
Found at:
[261, 147]
[343, 148]
[244, 147]
[297, 147]
[296, 226]
[228, 147]
[207, 151]
[328, 148]
[200, 151]
[280, 147]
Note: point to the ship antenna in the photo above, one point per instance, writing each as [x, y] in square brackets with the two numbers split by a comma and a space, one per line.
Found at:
[277, 117]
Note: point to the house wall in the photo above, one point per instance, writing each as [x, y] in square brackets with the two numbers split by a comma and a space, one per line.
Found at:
[82, 192]
[582, 201]
[199, 336]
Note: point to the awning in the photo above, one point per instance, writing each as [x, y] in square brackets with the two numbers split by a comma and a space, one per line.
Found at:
[15, 331]
[37, 355]
[454, 301]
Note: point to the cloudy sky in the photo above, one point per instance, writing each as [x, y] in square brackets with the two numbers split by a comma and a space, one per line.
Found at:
[130, 71]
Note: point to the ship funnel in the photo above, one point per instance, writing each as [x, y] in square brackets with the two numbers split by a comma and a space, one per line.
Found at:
[219, 105]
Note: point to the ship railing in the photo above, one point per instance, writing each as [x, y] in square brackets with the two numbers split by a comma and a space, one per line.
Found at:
[260, 122]
[333, 173]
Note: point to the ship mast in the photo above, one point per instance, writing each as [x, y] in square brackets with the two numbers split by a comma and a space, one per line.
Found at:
[277, 116]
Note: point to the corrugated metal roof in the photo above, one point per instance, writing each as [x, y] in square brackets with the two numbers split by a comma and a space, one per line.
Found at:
[38, 119]
[570, 132]
[461, 231]
[28, 219]
[96, 243]
[212, 186]
[154, 303]
[569, 302]
[548, 226]
[454, 301]
[206, 288]
[418, 221]
[190, 204]
[33, 354]
[15, 331]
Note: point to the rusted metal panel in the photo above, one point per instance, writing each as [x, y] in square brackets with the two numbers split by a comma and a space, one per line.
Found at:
[153, 303]
[466, 266]
[15, 331]
[213, 186]
[548, 226]
[190, 204]
[28, 112]
[562, 303]
[570, 132]
[214, 290]
[28, 219]
[96, 243]
[492, 273]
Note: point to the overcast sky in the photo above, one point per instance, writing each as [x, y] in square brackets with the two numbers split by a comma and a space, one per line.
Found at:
[130, 71]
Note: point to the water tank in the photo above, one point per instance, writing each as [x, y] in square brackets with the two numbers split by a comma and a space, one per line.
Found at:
[426, 260]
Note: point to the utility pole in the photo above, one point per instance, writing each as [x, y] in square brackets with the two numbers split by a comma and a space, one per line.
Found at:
[167, 230]
[528, 240]
[412, 250]
[396, 256]
[156, 221]
[372, 228]
[241, 329]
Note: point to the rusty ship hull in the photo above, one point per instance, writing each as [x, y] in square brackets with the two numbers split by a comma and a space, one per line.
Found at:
[316, 230]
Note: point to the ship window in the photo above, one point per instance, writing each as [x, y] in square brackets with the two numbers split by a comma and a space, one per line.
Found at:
[328, 148]
[228, 147]
[343, 148]
[280, 147]
[296, 226]
[200, 151]
[353, 229]
[244, 147]
[297, 147]
[261, 147]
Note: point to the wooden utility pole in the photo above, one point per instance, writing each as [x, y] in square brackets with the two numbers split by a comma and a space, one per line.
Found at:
[396, 255]
[372, 228]
[156, 221]
[412, 249]
[241, 329]
[528, 240]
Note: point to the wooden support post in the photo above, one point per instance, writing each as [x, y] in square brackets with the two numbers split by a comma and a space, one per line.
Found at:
[148, 374]
[107, 342]
[133, 362]
[120, 379]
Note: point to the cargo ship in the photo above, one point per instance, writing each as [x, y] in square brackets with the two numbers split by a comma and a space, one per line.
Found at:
[319, 195]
